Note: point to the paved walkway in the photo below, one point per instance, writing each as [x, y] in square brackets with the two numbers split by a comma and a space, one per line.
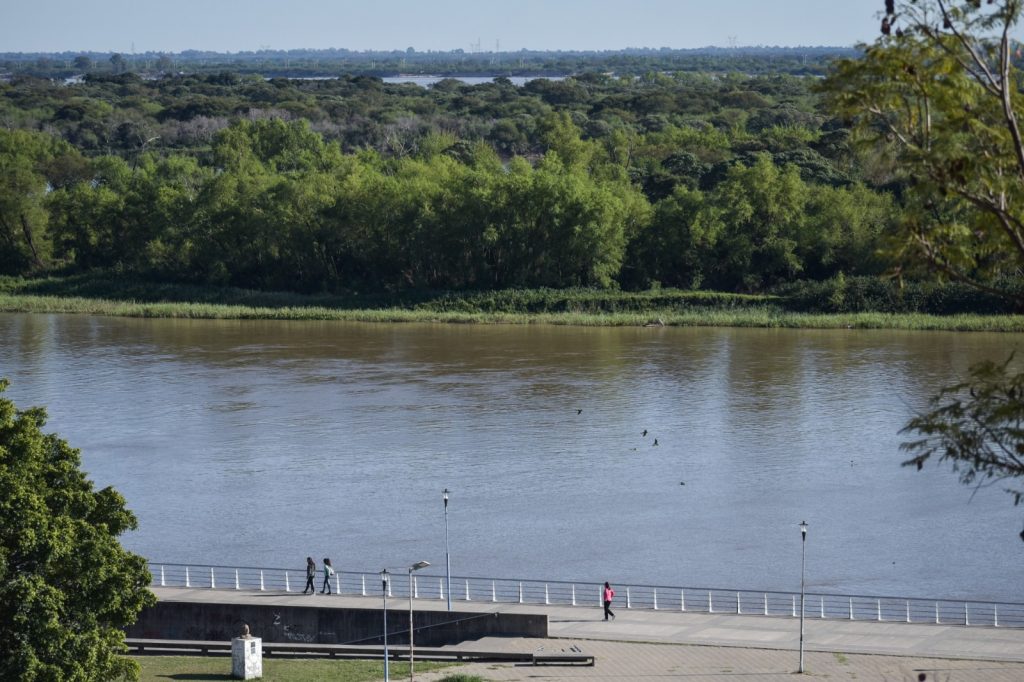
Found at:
[642, 644]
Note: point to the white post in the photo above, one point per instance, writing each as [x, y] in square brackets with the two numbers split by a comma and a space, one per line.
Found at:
[389, 588]
[520, 593]
[441, 586]
[188, 582]
[682, 600]
[738, 607]
[287, 585]
[851, 608]
[547, 599]
[337, 584]
[995, 616]
[711, 606]
[629, 603]
[494, 593]
[908, 610]
[574, 595]
[936, 613]
[237, 585]
[655, 598]
[822, 606]
[261, 580]
[878, 605]
[967, 616]
[213, 581]
[467, 590]
[162, 582]
[415, 588]
[794, 606]
[363, 578]
[766, 603]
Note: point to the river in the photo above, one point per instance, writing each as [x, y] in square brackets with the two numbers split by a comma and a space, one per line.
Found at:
[258, 443]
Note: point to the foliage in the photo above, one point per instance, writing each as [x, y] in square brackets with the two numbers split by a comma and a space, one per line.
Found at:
[977, 426]
[938, 93]
[67, 587]
[159, 668]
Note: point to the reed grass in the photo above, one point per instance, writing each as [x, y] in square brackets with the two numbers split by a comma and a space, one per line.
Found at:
[761, 315]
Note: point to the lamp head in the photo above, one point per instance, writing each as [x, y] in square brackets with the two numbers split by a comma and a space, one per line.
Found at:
[384, 578]
[418, 565]
[446, 498]
[803, 530]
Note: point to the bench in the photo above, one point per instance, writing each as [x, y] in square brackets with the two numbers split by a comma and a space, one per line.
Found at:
[562, 658]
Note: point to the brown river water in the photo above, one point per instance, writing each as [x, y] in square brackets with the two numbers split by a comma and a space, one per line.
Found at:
[257, 443]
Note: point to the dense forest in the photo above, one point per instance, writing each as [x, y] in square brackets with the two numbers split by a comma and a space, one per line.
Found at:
[732, 182]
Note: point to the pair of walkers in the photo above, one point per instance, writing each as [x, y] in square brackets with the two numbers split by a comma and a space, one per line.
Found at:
[311, 576]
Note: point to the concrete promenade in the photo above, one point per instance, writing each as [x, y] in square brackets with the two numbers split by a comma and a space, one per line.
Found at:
[642, 644]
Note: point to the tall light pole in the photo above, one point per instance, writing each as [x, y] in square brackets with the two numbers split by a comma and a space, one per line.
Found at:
[803, 563]
[384, 586]
[447, 556]
[415, 567]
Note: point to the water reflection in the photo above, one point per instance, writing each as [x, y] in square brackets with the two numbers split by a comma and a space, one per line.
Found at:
[338, 438]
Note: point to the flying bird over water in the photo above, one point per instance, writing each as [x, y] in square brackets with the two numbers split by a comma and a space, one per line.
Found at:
[655, 441]
[644, 434]
[579, 411]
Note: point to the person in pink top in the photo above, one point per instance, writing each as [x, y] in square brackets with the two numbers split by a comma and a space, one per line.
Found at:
[608, 594]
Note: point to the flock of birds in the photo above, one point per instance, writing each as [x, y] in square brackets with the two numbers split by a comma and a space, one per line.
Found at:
[643, 434]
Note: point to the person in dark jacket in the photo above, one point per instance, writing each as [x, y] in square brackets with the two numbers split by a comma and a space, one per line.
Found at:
[310, 575]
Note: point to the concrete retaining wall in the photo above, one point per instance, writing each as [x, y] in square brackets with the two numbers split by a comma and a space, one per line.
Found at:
[214, 621]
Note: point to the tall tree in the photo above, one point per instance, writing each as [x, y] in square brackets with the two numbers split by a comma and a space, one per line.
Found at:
[939, 93]
[67, 587]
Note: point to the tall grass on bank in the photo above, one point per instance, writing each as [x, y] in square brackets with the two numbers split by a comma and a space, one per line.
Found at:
[764, 315]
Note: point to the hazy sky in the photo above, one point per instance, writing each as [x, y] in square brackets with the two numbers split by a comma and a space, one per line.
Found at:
[237, 25]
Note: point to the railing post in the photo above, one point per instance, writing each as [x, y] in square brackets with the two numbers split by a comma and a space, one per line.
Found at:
[440, 587]
[967, 616]
[995, 615]
[629, 602]
[287, 585]
[162, 582]
[766, 603]
[213, 581]
[822, 603]
[238, 586]
[908, 610]
[711, 606]
[878, 605]
[188, 581]
[415, 588]
[936, 613]
[363, 579]
[851, 608]
[682, 600]
[520, 593]
[261, 580]
[337, 584]
[655, 598]
[574, 595]
[494, 593]
[547, 599]
[389, 587]
[467, 590]
[794, 606]
[738, 607]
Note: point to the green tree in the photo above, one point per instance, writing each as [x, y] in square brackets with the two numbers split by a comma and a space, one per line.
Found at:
[67, 587]
[938, 95]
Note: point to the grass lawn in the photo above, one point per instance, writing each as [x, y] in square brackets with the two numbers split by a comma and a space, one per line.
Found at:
[162, 668]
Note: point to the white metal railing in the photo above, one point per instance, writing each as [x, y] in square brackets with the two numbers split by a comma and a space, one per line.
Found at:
[567, 593]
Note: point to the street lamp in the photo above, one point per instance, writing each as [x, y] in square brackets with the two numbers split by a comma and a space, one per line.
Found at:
[447, 557]
[803, 563]
[415, 567]
[384, 587]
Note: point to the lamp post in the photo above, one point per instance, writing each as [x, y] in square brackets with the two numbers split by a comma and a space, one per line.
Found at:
[415, 567]
[803, 563]
[384, 587]
[447, 557]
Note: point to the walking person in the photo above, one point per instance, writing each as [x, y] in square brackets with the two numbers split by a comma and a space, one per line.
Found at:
[328, 572]
[609, 593]
[310, 575]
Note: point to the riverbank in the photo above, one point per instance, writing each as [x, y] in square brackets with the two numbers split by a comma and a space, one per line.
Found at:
[583, 307]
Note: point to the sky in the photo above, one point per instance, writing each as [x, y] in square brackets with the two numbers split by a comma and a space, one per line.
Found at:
[241, 25]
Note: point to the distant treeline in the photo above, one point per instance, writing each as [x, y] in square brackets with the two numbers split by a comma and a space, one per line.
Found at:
[334, 62]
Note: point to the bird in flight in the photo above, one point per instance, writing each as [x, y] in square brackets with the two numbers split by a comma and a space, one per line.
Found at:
[644, 434]
[655, 441]
[580, 411]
